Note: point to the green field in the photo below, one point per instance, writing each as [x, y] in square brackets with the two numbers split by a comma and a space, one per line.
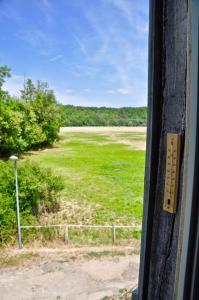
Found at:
[103, 174]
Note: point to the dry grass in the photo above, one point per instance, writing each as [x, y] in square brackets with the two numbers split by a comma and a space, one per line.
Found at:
[123, 294]
[28, 256]
[95, 129]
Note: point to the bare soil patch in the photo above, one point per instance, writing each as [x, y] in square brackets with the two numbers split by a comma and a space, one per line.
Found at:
[65, 275]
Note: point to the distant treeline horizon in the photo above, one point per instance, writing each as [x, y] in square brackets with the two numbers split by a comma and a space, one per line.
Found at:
[103, 116]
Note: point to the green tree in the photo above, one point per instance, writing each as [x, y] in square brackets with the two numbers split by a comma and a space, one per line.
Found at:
[11, 137]
[5, 72]
[29, 91]
[29, 122]
[48, 116]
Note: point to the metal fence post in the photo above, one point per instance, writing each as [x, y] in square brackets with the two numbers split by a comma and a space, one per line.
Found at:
[113, 233]
[14, 159]
[66, 236]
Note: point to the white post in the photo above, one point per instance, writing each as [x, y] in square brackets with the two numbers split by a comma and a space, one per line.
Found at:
[113, 233]
[14, 159]
[66, 235]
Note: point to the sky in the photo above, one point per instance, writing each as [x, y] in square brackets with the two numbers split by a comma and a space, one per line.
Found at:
[91, 52]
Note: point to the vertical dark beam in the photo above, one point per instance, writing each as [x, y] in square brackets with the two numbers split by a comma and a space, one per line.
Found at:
[166, 225]
[153, 137]
[166, 102]
[187, 270]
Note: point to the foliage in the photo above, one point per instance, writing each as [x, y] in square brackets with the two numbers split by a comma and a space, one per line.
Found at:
[30, 122]
[38, 193]
[47, 115]
[103, 116]
[29, 91]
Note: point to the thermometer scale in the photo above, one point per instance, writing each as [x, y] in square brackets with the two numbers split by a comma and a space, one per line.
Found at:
[172, 172]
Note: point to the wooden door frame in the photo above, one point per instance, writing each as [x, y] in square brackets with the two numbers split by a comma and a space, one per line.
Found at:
[186, 286]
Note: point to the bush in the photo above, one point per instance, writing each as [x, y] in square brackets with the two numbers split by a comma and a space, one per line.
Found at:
[38, 193]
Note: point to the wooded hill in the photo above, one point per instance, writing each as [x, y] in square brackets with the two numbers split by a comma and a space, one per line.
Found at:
[103, 116]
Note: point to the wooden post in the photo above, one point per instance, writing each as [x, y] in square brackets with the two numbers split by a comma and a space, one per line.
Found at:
[113, 233]
[66, 238]
[167, 73]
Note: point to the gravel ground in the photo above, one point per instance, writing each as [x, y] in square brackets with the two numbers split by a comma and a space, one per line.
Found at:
[85, 279]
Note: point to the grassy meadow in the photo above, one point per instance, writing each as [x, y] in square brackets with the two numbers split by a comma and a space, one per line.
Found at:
[103, 174]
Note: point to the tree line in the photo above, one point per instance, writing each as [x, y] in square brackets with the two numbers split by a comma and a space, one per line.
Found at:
[103, 116]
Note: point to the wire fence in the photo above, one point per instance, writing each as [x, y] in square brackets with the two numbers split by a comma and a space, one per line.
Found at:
[68, 227]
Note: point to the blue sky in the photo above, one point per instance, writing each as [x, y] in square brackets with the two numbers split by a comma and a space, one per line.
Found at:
[91, 52]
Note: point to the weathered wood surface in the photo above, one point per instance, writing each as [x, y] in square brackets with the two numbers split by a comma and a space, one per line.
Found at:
[166, 225]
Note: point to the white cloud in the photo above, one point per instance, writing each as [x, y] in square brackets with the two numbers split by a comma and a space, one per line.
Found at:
[69, 91]
[56, 57]
[46, 3]
[82, 46]
[8, 12]
[38, 39]
[86, 90]
[133, 12]
[123, 54]
[47, 10]
[125, 7]
[14, 84]
[110, 56]
[69, 96]
[80, 100]
[119, 91]
[35, 37]
[123, 91]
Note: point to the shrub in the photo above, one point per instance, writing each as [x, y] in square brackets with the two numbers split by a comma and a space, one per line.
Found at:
[38, 193]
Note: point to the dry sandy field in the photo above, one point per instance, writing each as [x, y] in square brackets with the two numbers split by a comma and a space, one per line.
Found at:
[103, 129]
[135, 137]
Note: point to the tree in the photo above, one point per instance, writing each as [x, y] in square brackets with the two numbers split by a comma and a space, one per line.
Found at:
[29, 91]
[5, 72]
[48, 115]
[11, 132]
[29, 122]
